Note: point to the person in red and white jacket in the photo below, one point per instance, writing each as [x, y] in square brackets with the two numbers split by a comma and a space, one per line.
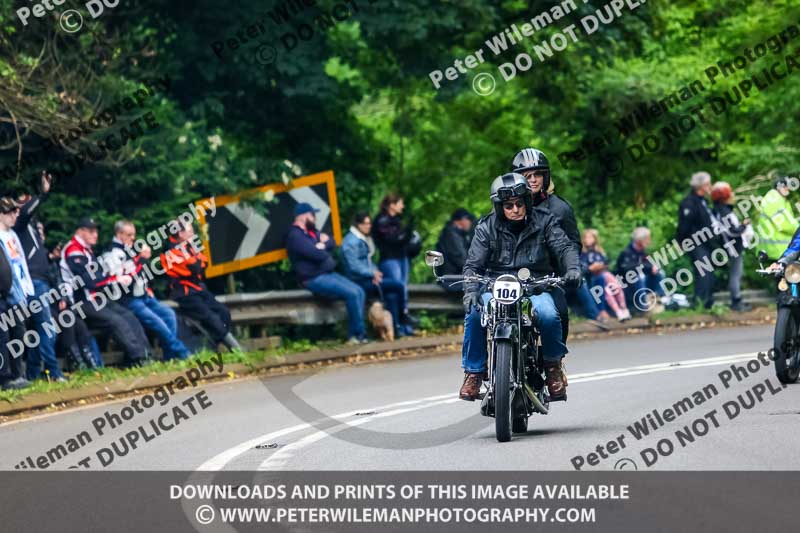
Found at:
[99, 292]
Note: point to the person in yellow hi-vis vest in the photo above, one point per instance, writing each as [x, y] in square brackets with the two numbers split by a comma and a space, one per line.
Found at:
[776, 222]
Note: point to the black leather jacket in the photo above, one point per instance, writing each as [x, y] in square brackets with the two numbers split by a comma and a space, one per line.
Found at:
[495, 249]
[565, 216]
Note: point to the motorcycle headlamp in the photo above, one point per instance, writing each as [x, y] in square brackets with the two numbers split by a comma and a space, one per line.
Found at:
[792, 273]
[506, 193]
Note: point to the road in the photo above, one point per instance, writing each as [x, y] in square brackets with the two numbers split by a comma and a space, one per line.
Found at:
[404, 415]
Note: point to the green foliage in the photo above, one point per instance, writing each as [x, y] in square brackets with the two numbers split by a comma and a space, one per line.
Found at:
[357, 99]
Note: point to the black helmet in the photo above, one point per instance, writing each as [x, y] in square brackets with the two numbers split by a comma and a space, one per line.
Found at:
[532, 159]
[509, 186]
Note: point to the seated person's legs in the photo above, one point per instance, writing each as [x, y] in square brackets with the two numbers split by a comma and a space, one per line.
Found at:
[333, 285]
[122, 327]
[196, 307]
[631, 291]
[160, 320]
[654, 283]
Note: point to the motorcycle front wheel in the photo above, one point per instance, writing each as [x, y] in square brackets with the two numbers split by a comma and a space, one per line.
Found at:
[503, 392]
[787, 347]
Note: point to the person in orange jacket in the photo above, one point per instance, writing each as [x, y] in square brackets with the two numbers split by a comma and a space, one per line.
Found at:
[185, 265]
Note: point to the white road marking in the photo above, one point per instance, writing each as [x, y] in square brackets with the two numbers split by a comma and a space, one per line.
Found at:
[219, 461]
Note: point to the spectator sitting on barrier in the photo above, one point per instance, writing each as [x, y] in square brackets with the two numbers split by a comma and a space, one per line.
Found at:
[357, 251]
[74, 343]
[38, 266]
[310, 253]
[454, 244]
[695, 223]
[153, 315]
[648, 276]
[731, 232]
[185, 265]
[393, 239]
[776, 222]
[102, 312]
[15, 287]
[595, 262]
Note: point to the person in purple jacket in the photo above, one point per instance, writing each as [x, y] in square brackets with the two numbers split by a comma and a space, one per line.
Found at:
[310, 252]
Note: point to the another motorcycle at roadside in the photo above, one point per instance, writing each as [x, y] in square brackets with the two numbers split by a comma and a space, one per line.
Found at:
[786, 341]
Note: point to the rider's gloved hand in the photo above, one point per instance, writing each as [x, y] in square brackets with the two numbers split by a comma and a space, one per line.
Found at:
[573, 278]
[471, 299]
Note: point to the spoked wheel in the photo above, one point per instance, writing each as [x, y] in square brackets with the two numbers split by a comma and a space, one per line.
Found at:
[503, 393]
[787, 346]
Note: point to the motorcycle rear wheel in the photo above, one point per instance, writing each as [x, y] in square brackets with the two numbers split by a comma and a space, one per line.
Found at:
[503, 393]
[786, 345]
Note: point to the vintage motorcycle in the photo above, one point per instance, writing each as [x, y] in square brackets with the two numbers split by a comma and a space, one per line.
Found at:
[786, 341]
[515, 388]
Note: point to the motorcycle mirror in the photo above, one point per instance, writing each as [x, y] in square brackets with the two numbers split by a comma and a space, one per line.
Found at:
[524, 274]
[434, 259]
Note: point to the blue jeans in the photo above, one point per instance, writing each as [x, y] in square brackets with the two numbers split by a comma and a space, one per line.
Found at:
[584, 299]
[650, 281]
[599, 281]
[397, 269]
[336, 286]
[159, 319]
[392, 296]
[474, 353]
[46, 350]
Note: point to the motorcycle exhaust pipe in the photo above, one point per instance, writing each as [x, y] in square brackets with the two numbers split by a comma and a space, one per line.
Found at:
[535, 400]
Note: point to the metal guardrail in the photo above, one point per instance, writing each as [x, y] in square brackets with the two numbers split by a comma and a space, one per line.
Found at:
[302, 307]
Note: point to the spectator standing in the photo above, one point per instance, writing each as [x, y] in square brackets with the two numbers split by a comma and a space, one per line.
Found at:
[310, 252]
[102, 312]
[776, 221]
[454, 242]
[74, 343]
[152, 314]
[13, 276]
[357, 251]
[695, 223]
[595, 263]
[648, 276]
[185, 265]
[392, 238]
[732, 233]
[38, 266]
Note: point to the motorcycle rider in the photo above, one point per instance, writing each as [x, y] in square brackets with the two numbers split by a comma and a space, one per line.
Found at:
[516, 235]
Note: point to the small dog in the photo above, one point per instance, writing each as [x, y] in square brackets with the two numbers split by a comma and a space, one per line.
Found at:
[381, 321]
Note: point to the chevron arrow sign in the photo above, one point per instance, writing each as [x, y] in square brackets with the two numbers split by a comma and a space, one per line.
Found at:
[249, 230]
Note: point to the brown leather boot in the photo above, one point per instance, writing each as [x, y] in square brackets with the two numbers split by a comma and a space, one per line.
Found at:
[556, 381]
[471, 387]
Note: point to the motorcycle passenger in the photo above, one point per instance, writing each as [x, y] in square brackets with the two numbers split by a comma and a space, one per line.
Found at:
[514, 236]
[534, 165]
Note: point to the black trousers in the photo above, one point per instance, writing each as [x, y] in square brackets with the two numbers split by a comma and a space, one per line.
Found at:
[122, 325]
[703, 283]
[205, 309]
[10, 366]
[77, 335]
